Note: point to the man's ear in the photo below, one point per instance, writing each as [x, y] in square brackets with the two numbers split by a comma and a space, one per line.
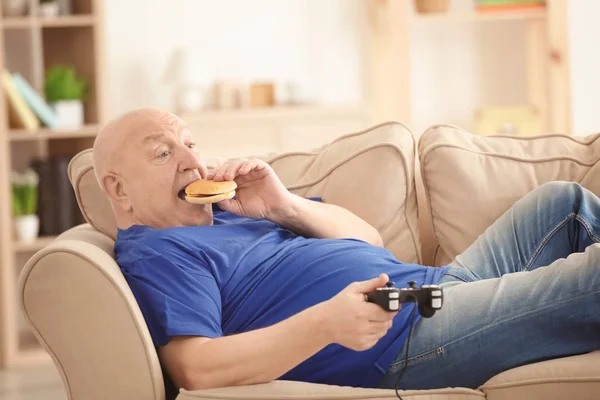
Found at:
[113, 185]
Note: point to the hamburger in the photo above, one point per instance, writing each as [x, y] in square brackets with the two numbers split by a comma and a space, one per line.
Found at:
[204, 191]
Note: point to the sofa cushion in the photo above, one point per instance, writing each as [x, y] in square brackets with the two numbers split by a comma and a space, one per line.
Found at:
[371, 173]
[472, 180]
[576, 377]
[282, 390]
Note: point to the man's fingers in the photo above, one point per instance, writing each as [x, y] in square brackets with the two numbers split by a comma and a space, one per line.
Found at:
[232, 170]
[372, 284]
[376, 328]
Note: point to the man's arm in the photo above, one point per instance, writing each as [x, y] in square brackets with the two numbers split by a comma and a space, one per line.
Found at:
[326, 221]
[260, 194]
[265, 354]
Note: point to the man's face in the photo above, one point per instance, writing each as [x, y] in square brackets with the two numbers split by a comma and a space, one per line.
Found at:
[160, 162]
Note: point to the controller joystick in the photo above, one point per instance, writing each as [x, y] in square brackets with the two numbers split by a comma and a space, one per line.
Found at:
[429, 298]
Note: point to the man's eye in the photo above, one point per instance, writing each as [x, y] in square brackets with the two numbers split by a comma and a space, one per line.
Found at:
[192, 146]
[164, 154]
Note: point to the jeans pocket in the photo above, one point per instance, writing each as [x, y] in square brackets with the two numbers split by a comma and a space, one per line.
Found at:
[419, 358]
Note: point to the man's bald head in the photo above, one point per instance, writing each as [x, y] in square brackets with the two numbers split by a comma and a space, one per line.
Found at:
[110, 146]
[142, 160]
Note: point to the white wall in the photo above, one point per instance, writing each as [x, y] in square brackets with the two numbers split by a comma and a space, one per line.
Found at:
[455, 67]
[584, 35]
[311, 42]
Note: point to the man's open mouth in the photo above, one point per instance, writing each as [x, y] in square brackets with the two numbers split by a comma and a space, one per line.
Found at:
[181, 194]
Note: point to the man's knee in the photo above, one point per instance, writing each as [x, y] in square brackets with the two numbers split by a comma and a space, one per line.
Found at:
[566, 192]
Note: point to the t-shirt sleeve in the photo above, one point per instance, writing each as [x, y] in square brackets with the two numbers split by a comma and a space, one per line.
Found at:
[175, 301]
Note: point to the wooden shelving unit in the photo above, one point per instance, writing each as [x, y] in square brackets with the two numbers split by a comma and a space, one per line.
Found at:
[30, 45]
[389, 37]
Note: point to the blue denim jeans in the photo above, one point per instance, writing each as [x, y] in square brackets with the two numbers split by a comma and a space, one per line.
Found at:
[527, 290]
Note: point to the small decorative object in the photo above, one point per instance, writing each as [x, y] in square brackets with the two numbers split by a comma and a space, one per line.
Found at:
[227, 95]
[14, 8]
[262, 95]
[49, 8]
[66, 93]
[188, 72]
[516, 120]
[432, 6]
[65, 7]
[24, 205]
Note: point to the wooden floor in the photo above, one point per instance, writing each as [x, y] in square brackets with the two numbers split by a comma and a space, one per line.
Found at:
[32, 383]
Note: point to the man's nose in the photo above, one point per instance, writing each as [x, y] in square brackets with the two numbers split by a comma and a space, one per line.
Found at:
[189, 161]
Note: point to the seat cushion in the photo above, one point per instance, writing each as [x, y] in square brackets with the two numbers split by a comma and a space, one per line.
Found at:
[576, 377]
[283, 390]
[371, 173]
[472, 180]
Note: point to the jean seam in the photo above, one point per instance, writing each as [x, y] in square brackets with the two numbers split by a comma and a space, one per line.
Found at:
[425, 356]
[545, 240]
[588, 227]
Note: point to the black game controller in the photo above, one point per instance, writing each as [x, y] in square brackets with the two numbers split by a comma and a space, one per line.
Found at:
[428, 297]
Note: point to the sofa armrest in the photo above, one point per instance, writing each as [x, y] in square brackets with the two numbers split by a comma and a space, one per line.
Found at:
[80, 308]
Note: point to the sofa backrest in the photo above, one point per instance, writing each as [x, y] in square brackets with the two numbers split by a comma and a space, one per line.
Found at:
[370, 172]
[469, 181]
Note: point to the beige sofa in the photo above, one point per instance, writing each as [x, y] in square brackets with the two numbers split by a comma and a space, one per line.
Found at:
[82, 311]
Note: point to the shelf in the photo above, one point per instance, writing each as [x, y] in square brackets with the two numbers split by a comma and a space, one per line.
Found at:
[17, 22]
[275, 112]
[58, 22]
[482, 16]
[38, 244]
[23, 134]
[68, 21]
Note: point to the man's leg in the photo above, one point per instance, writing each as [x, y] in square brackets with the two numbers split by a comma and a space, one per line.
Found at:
[551, 222]
[511, 312]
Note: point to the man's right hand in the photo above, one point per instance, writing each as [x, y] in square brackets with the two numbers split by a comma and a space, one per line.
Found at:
[353, 322]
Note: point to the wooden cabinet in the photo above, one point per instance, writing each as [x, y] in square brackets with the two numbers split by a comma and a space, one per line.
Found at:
[244, 133]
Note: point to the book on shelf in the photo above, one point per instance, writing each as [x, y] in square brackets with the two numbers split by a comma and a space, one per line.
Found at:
[19, 112]
[58, 209]
[38, 105]
[27, 108]
[509, 5]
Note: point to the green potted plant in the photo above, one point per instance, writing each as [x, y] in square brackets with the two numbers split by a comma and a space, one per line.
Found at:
[24, 205]
[66, 92]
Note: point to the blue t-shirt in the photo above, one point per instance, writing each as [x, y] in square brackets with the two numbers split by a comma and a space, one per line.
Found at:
[243, 274]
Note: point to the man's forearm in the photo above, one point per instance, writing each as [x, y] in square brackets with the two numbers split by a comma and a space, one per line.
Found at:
[326, 221]
[253, 357]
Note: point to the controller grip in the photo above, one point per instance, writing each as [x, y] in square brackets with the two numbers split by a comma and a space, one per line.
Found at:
[382, 299]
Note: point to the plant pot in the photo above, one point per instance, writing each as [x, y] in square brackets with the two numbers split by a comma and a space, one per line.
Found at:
[14, 8]
[432, 6]
[69, 114]
[49, 10]
[27, 228]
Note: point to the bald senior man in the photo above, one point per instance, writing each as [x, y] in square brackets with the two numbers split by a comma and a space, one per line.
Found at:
[270, 285]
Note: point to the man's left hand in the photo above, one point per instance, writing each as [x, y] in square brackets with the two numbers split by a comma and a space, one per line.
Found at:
[259, 193]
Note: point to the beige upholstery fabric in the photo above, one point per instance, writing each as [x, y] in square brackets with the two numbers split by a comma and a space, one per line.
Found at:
[472, 180]
[284, 390]
[383, 193]
[566, 378]
[81, 309]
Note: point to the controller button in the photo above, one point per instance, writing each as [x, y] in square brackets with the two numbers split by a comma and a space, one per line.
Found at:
[436, 303]
[393, 305]
[390, 284]
[436, 293]
[412, 284]
[394, 295]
